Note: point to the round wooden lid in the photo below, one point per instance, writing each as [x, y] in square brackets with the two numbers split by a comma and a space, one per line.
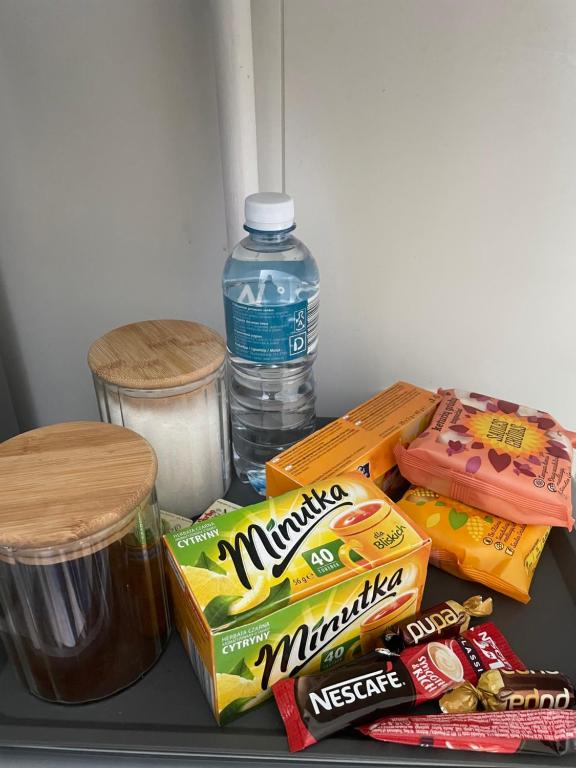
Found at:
[63, 484]
[157, 354]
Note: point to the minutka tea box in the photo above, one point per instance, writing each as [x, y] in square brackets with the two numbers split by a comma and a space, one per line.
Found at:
[362, 440]
[292, 585]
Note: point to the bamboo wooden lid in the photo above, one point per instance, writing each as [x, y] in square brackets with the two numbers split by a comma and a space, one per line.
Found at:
[157, 354]
[63, 484]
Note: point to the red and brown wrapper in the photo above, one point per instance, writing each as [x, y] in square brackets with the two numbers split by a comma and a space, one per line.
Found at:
[528, 732]
[446, 619]
[381, 683]
[499, 689]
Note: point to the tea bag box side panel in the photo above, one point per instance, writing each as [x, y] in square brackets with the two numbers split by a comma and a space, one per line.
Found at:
[327, 629]
[361, 440]
[192, 628]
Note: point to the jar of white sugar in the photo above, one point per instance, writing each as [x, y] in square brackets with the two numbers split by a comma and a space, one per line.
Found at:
[165, 380]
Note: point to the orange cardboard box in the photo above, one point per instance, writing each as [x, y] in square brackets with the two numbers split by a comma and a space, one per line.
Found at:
[361, 440]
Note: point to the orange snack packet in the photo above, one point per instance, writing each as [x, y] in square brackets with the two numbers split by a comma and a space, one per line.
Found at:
[507, 459]
[473, 545]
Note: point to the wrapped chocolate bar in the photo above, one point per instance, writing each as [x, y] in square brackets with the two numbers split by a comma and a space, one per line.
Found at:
[500, 689]
[507, 459]
[379, 683]
[551, 731]
[443, 620]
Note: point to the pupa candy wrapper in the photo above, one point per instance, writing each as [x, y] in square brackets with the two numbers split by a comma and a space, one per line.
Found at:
[446, 619]
[506, 459]
[498, 690]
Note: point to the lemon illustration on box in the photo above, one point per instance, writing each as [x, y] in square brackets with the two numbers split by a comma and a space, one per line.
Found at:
[288, 586]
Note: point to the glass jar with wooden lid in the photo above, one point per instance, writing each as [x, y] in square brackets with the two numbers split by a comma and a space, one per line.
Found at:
[83, 609]
[165, 380]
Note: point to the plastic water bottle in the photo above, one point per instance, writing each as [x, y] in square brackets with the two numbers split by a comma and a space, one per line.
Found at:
[270, 285]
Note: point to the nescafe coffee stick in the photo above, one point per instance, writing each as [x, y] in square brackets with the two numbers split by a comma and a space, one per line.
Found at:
[379, 683]
[520, 689]
[443, 620]
[543, 732]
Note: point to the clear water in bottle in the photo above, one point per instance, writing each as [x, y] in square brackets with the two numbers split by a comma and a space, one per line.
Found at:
[271, 288]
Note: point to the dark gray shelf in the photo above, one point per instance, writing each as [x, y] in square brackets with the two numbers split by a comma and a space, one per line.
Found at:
[165, 715]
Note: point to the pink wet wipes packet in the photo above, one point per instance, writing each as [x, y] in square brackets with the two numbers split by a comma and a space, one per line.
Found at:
[506, 459]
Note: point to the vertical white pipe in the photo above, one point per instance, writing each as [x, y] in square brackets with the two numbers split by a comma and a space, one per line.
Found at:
[232, 27]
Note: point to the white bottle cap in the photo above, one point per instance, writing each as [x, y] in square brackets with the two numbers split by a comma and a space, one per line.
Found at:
[269, 212]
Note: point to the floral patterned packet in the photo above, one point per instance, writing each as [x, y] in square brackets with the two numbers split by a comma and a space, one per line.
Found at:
[503, 458]
[476, 546]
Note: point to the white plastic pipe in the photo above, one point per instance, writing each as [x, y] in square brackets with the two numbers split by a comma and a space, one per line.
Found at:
[232, 26]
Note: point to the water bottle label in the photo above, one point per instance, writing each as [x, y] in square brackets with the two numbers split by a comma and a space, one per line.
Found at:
[267, 334]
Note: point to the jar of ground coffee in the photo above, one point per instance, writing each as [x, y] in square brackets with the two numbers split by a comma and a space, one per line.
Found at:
[83, 609]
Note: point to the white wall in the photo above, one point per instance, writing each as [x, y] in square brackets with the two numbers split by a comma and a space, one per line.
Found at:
[430, 147]
[111, 204]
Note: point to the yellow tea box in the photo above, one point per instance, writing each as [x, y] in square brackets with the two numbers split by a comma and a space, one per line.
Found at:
[292, 585]
[361, 440]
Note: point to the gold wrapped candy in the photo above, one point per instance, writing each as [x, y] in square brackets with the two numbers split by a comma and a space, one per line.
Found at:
[520, 689]
[463, 698]
[478, 606]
